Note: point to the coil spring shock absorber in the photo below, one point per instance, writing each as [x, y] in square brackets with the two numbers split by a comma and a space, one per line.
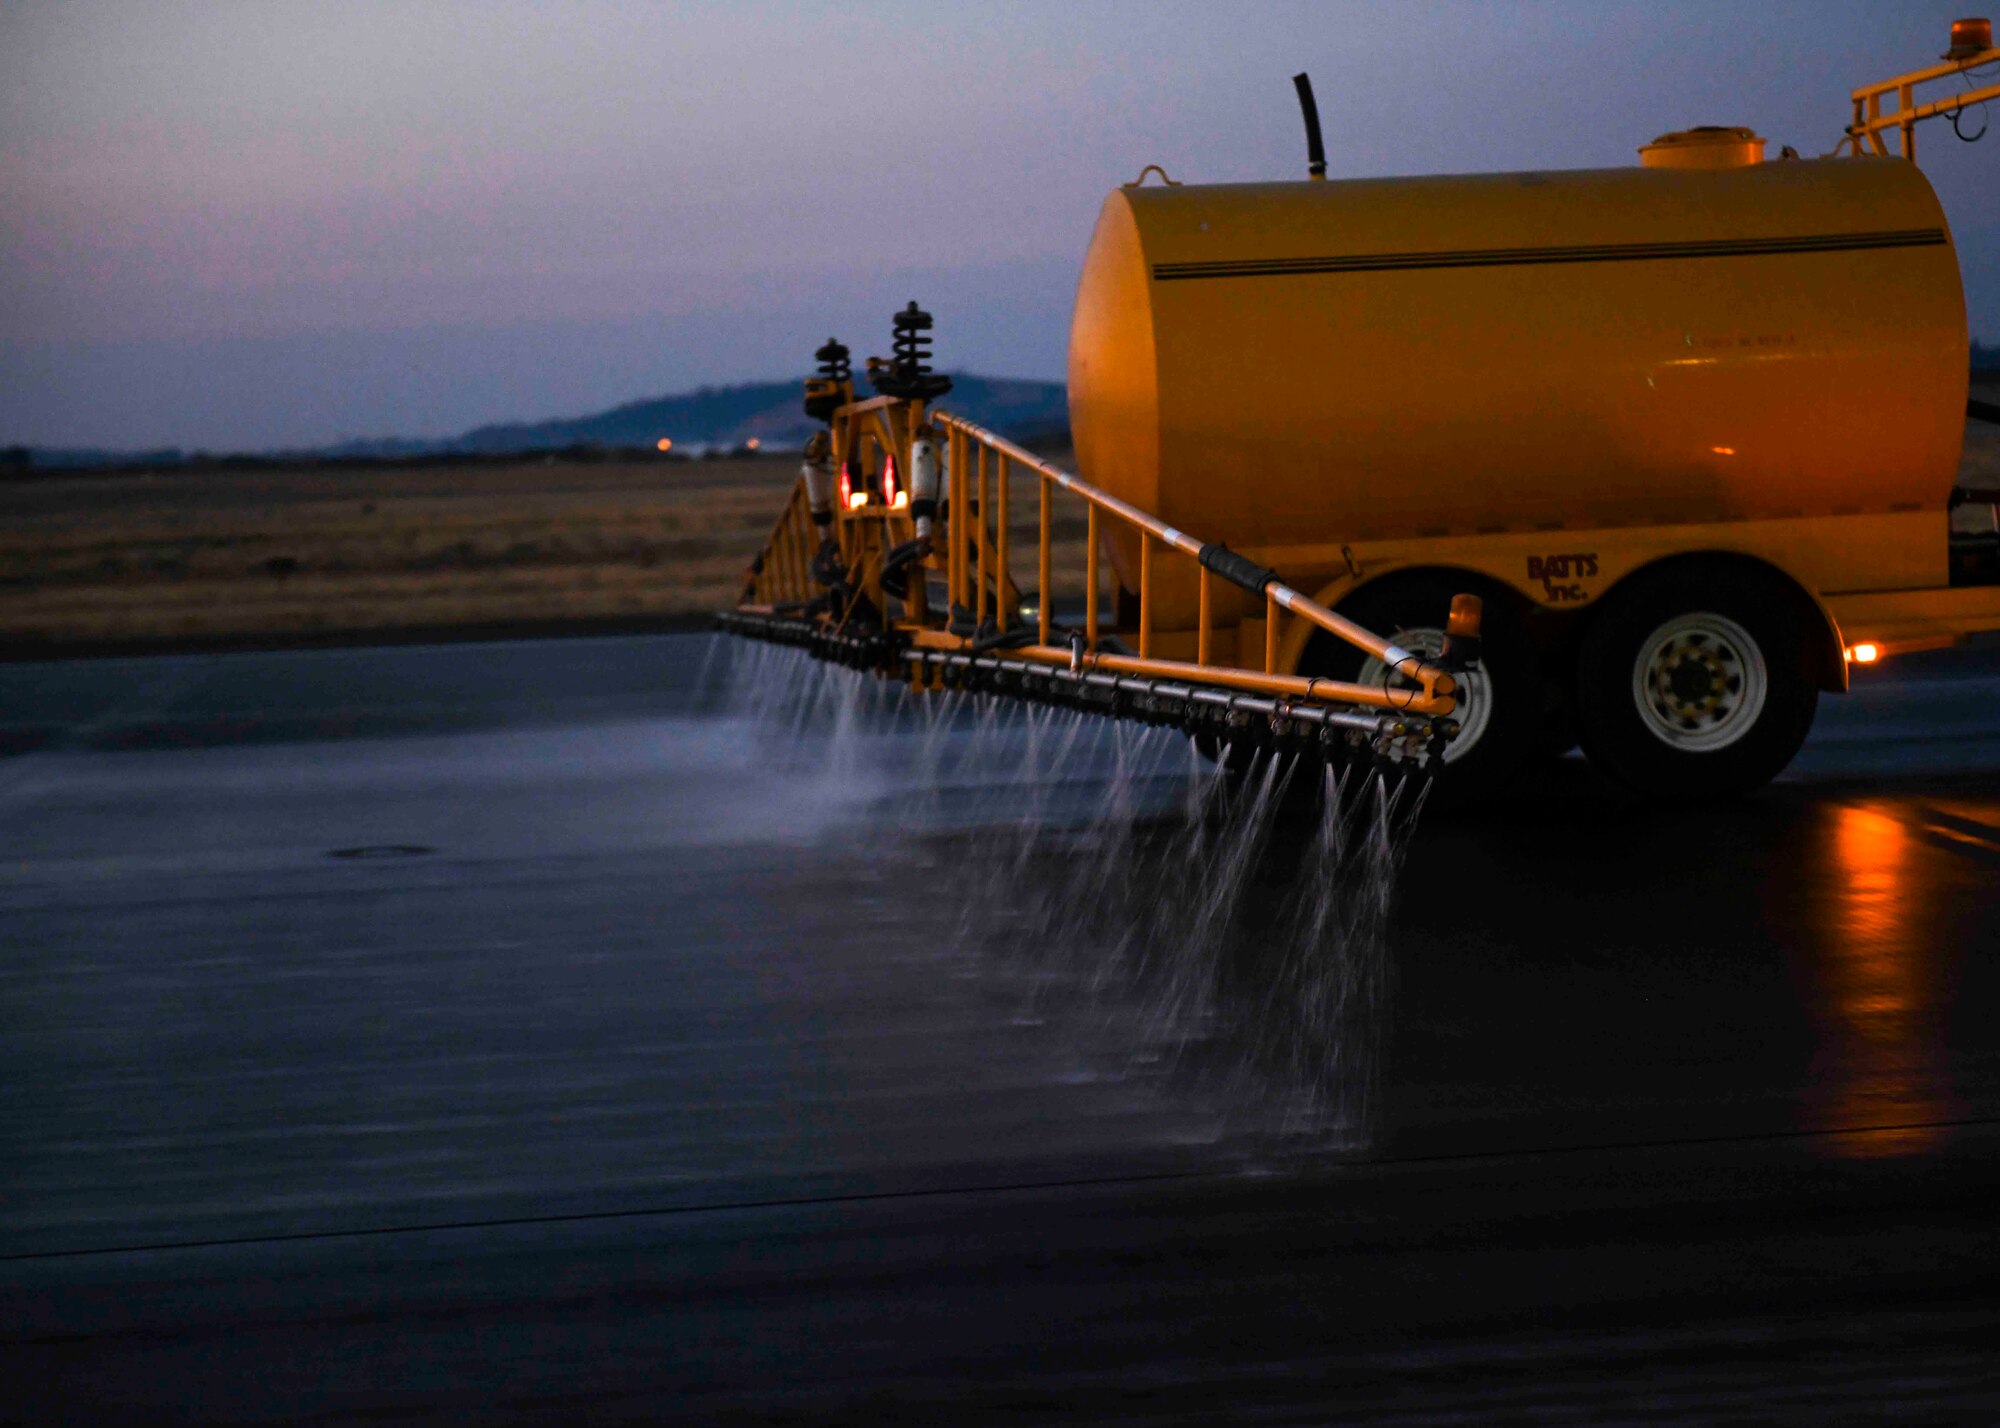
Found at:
[908, 372]
[912, 349]
[833, 363]
[827, 392]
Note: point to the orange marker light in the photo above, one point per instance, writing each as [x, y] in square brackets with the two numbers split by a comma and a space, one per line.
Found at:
[1864, 653]
[753, 443]
[665, 443]
[1466, 616]
[1723, 450]
[1969, 38]
[1461, 637]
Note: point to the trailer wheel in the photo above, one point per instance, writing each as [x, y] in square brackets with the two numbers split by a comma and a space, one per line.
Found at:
[1695, 682]
[1499, 704]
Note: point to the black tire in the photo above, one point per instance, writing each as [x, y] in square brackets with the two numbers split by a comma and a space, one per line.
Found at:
[1695, 681]
[1558, 724]
[1493, 748]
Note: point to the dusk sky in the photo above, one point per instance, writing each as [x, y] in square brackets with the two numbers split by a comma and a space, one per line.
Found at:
[242, 225]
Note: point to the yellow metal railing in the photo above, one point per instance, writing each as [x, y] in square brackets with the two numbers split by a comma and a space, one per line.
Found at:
[976, 454]
[782, 572]
[983, 619]
[1870, 123]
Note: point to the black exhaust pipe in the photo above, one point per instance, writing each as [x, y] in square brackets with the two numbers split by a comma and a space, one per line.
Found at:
[1315, 150]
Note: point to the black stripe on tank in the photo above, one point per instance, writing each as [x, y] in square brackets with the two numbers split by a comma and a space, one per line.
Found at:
[1530, 257]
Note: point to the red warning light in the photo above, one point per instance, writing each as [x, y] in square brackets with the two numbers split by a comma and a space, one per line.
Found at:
[889, 481]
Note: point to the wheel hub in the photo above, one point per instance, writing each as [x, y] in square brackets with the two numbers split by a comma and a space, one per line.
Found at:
[1700, 682]
[1474, 695]
[1692, 679]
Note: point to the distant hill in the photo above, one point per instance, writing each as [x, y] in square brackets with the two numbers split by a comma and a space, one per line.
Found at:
[771, 413]
[708, 418]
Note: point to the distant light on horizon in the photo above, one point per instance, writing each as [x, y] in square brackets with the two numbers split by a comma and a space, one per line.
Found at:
[665, 443]
[753, 443]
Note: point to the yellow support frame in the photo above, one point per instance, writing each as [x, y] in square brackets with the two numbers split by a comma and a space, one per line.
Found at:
[976, 554]
[1870, 123]
[1158, 540]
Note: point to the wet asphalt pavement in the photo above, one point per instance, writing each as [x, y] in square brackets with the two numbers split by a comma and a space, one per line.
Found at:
[542, 1031]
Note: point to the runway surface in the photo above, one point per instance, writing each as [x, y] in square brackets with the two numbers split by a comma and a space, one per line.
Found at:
[571, 1029]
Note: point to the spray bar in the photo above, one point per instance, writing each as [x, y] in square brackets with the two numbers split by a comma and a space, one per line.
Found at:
[1189, 704]
[1167, 691]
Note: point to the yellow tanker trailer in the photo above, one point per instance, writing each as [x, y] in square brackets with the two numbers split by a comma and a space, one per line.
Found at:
[1689, 429]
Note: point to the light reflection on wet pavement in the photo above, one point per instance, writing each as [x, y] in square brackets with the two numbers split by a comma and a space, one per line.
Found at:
[946, 938]
[627, 935]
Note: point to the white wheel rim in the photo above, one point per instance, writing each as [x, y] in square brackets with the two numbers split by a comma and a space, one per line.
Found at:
[1699, 682]
[1474, 693]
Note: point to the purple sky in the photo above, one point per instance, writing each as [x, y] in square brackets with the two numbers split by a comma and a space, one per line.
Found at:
[235, 225]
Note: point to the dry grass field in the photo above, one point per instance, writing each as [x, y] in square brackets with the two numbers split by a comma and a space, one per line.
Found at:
[297, 555]
[206, 556]
[219, 556]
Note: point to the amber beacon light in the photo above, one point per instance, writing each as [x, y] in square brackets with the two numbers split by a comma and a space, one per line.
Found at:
[1461, 632]
[1969, 38]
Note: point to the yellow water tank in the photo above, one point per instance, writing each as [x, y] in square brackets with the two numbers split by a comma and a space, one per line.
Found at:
[1286, 363]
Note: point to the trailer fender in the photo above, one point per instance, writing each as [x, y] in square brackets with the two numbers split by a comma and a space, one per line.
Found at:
[1297, 634]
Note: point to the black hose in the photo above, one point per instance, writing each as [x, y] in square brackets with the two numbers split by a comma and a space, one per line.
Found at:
[1315, 150]
[1235, 569]
[896, 564]
[1003, 640]
[1982, 411]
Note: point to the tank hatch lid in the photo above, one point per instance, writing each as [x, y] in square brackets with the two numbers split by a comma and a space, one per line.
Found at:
[1707, 146]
